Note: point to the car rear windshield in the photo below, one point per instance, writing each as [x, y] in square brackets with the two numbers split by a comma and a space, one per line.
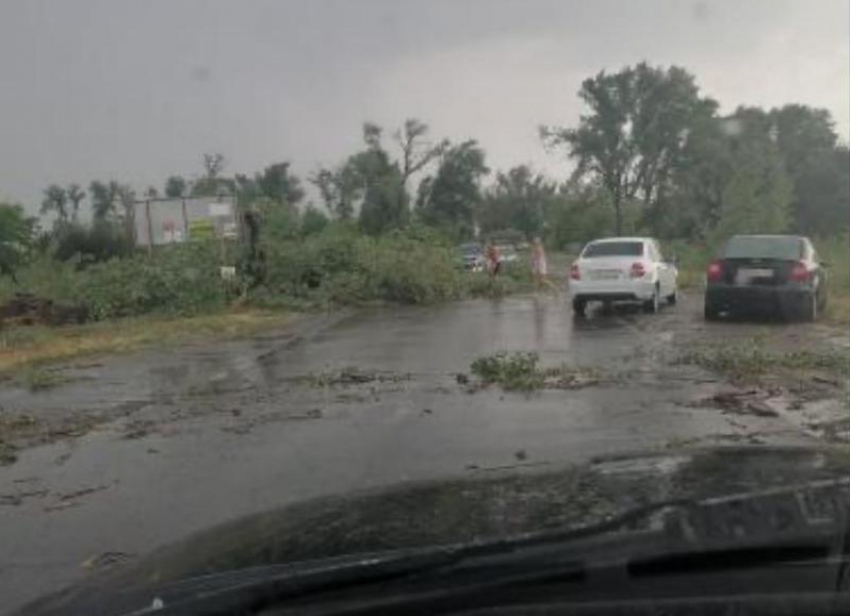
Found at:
[750, 247]
[613, 249]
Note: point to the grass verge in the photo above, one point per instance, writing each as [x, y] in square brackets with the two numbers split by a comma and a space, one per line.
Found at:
[748, 360]
[25, 348]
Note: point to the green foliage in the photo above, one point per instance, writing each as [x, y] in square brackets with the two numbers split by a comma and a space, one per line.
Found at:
[450, 198]
[749, 359]
[182, 279]
[633, 135]
[313, 221]
[578, 215]
[55, 202]
[757, 195]
[518, 200]
[175, 187]
[106, 197]
[339, 189]
[100, 241]
[16, 236]
[516, 371]
[278, 184]
[341, 266]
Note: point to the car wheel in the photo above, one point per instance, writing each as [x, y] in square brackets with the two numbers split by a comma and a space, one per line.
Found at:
[809, 308]
[652, 306]
[579, 306]
[672, 299]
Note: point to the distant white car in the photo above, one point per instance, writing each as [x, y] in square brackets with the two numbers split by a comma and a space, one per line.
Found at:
[623, 269]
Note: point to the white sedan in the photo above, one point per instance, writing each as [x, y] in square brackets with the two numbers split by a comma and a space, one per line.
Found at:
[623, 269]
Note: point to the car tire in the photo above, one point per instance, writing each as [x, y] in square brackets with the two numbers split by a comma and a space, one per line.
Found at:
[579, 306]
[652, 306]
[809, 308]
[672, 299]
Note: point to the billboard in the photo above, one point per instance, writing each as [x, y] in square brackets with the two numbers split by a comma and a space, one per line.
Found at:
[169, 221]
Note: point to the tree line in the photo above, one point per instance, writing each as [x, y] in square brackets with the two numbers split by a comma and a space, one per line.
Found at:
[650, 154]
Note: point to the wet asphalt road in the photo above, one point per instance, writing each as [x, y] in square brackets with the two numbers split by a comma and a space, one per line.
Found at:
[207, 433]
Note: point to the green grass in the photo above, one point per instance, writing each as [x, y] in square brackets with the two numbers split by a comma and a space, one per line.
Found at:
[749, 359]
[23, 350]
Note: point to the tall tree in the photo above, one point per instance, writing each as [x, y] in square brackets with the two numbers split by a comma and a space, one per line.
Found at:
[814, 162]
[637, 126]
[75, 195]
[55, 201]
[757, 193]
[416, 150]
[16, 233]
[339, 189]
[450, 197]
[278, 184]
[384, 204]
[103, 198]
[212, 184]
[175, 187]
[213, 165]
[518, 200]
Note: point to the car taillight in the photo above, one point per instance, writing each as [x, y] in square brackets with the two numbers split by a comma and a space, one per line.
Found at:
[714, 273]
[799, 273]
[575, 274]
[638, 270]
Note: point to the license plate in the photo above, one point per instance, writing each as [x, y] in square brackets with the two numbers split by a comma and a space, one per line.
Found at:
[747, 275]
[605, 275]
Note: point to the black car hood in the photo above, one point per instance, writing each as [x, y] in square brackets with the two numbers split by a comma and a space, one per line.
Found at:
[488, 505]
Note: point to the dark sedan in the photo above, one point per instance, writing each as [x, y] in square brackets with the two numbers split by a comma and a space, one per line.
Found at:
[773, 273]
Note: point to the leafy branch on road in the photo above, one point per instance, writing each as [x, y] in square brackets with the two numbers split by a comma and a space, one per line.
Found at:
[519, 371]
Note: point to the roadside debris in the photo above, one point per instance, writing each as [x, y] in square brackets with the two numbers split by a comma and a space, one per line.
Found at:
[105, 560]
[28, 309]
[740, 402]
[519, 371]
[351, 375]
[748, 360]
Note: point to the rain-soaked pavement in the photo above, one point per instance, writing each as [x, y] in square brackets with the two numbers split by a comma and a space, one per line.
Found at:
[165, 442]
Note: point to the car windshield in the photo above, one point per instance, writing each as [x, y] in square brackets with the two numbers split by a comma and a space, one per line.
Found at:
[760, 247]
[289, 281]
[613, 249]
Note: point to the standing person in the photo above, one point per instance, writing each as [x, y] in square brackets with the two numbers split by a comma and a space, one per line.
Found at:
[491, 255]
[539, 266]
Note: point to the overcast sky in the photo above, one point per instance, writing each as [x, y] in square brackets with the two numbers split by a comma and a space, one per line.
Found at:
[138, 90]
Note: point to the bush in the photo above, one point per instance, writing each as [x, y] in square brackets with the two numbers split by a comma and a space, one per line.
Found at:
[100, 242]
[181, 279]
[340, 266]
